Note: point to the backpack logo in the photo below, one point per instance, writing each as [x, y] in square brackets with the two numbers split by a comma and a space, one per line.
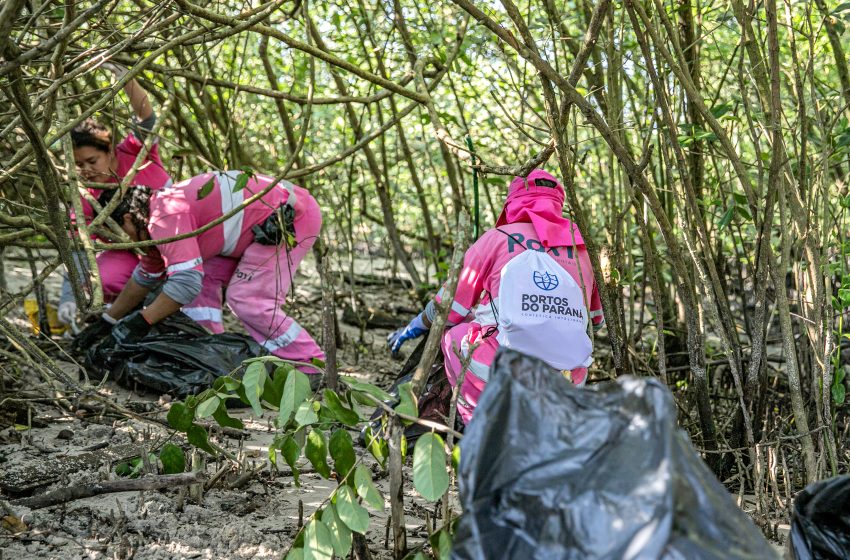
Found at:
[545, 281]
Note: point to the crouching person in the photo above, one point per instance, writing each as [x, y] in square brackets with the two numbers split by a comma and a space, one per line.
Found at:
[253, 254]
[526, 284]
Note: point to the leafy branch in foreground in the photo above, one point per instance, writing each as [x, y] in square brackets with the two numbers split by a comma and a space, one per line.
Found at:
[316, 425]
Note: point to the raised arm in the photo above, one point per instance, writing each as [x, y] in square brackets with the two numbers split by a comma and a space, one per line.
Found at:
[139, 101]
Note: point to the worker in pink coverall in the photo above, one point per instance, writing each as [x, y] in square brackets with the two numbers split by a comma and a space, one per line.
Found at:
[531, 220]
[253, 254]
[99, 160]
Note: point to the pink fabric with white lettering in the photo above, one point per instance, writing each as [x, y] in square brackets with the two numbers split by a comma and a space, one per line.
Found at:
[472, 319]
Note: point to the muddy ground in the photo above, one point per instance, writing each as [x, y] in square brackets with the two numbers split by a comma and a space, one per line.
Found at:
[239, 516]
[235, 519]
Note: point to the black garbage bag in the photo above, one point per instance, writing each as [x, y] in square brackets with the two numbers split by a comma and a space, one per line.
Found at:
[178, 357]
[820, 524]
[551, 471]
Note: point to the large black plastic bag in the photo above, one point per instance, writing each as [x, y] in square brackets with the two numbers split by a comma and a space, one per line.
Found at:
[179, 357]
[820, 525]
[550, 471]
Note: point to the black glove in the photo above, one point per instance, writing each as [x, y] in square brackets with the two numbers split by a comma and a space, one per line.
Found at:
[92, 334]
[132, 328]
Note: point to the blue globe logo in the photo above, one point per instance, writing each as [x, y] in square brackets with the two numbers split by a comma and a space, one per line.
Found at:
[545, 281]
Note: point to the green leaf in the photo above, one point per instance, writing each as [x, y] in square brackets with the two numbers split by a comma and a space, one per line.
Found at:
[839, 393]
[342, 451]
[441, 544]
[207, 407]
[225, 419]
[366, 489]
[429, 467]
[273, 391]
[456, 458]
[720, 110]
[306, 414]
[339, 410]
[727, 217]
[291, 451]
[403, 448]
[378, 446]
[317, 452]
[254, 380]
[180, 417]
[206, 189]
[408, 401]
[340, 533]
[241, 182]
[295, 554]
[350, 512]
[172, 458]
[296, 390]
[227, 383]
[317, 541]
[132, 468]
[198, 437]
[368, 388]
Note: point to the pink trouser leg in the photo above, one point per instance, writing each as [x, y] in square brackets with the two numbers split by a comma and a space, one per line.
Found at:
[115, 268]
[460, 338]
[206, 308]
[259, 286]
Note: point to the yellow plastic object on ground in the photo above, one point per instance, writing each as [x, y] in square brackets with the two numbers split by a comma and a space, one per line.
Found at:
[31, 309]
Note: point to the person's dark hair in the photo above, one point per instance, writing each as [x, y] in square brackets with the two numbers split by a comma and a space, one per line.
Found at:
[136, 202]
[91, 133]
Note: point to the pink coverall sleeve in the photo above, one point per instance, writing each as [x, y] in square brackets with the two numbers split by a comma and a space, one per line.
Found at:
[470, 286]
[184, 254]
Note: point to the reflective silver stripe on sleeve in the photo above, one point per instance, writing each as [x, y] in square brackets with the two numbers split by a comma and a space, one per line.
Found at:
[285, 339]
[481, 371]
[459, 309]
[167, 184]
[212, 314]
[230, 200]
[185, 265]
[150, 275]
[290, 188]
[595, 314]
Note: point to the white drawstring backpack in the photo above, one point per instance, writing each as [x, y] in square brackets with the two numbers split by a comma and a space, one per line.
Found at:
[542, 312]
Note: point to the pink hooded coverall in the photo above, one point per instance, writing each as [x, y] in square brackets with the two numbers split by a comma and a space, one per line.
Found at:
[531, 219]
[116, 266]
[257, 277]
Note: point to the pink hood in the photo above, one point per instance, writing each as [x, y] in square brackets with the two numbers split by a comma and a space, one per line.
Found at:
[538, 199]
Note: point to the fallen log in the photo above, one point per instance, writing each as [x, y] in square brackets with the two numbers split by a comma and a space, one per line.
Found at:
[71, 493]
[371, 318]
[25, 478]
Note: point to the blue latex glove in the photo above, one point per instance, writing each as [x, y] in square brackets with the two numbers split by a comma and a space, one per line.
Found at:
[414, 329]
[132, 328]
